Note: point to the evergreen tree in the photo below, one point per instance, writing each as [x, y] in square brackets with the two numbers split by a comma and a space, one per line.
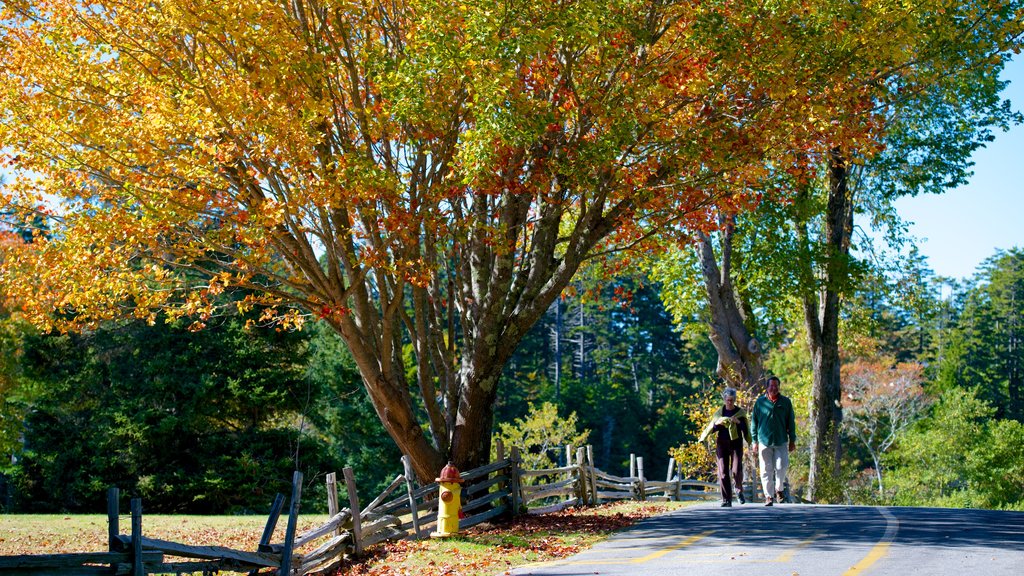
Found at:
[198, 422]
[984, 349]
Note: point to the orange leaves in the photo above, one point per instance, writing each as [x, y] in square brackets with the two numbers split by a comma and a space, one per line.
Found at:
[187, 139]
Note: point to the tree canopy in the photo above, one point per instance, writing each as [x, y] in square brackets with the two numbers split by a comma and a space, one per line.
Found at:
[427, 171]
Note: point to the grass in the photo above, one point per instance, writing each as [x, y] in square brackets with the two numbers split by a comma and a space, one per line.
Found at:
[482, 550]
[56, 534]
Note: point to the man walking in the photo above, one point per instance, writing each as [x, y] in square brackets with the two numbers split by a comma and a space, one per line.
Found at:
[772, 424]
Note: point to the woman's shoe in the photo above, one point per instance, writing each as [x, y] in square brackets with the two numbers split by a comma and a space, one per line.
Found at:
[742, 499]
[726, 504]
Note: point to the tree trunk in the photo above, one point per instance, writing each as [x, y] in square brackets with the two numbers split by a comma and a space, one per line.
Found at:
[826, 414]
[739, 353]
[556, 341]
[821, 302]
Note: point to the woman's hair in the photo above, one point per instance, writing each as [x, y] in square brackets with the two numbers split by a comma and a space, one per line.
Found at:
[729, 393]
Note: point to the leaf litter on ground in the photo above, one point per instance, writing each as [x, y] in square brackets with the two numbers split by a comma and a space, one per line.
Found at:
[486, 549]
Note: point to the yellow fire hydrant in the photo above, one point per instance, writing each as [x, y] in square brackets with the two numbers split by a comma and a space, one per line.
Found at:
[449, 508]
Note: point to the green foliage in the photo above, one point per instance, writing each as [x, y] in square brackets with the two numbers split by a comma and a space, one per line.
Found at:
[622, 367]
[932, 463]
[542, 436]
[199, 422]
[760, 270]
[984, 348]
[16, 390]
[696, 459]
[998, 468]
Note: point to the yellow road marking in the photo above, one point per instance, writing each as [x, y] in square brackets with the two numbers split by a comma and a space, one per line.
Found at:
[879, 550]
[686, 542]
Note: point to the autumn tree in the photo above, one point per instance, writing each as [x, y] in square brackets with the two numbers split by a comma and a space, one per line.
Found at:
[881, 402]
[430, 172]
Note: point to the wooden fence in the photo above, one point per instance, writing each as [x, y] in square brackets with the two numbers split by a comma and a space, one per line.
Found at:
[402, 510]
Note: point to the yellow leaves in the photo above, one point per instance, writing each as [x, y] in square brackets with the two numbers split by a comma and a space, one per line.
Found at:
[204, 144]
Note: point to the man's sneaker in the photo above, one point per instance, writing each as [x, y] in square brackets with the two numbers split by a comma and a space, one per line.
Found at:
[768, 501]
[742, 499]
[780, 497]
[726, 504]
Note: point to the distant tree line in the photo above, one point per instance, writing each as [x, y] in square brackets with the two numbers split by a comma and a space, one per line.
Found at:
[215, 420]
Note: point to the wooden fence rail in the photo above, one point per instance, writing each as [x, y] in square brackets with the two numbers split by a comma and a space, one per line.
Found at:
[402, 510]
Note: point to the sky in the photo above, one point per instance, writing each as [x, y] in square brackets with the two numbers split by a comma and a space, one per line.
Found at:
[959, 229]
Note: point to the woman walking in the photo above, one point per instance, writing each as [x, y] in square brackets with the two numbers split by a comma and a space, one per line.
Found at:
[730, 424]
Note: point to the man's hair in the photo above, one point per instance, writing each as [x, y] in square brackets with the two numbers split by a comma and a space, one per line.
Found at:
[772, 377]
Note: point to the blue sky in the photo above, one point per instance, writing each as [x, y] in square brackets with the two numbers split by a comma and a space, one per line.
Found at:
[958, 230]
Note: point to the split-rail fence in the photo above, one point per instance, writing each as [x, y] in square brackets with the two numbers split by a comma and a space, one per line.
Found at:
[402, 510]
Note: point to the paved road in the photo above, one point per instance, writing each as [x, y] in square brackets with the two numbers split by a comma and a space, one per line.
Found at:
[805, 540]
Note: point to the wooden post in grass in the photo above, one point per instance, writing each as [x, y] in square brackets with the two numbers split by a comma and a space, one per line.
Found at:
[593, 476]
[137, 569]
[353, 504]
[668, 477]
[409, 489]
[332, 498]
[504, 484]
[581, 472]
[632, 474]
[293, 518]
[513, 473]
[269, 527]
[640, 474]
[113, 519]
[672, 468]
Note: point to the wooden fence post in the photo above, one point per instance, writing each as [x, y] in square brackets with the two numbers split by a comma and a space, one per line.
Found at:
[640, 474]
[593, 476]
[293, 518]
[581, 473]
[668, 478]
[137, 568]
[353, 504]
[675, 471]
[409, 475]
[268, 529]
[513, 474]
[113, 519]
[505, 484]
[632, 465]
[332, 499]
